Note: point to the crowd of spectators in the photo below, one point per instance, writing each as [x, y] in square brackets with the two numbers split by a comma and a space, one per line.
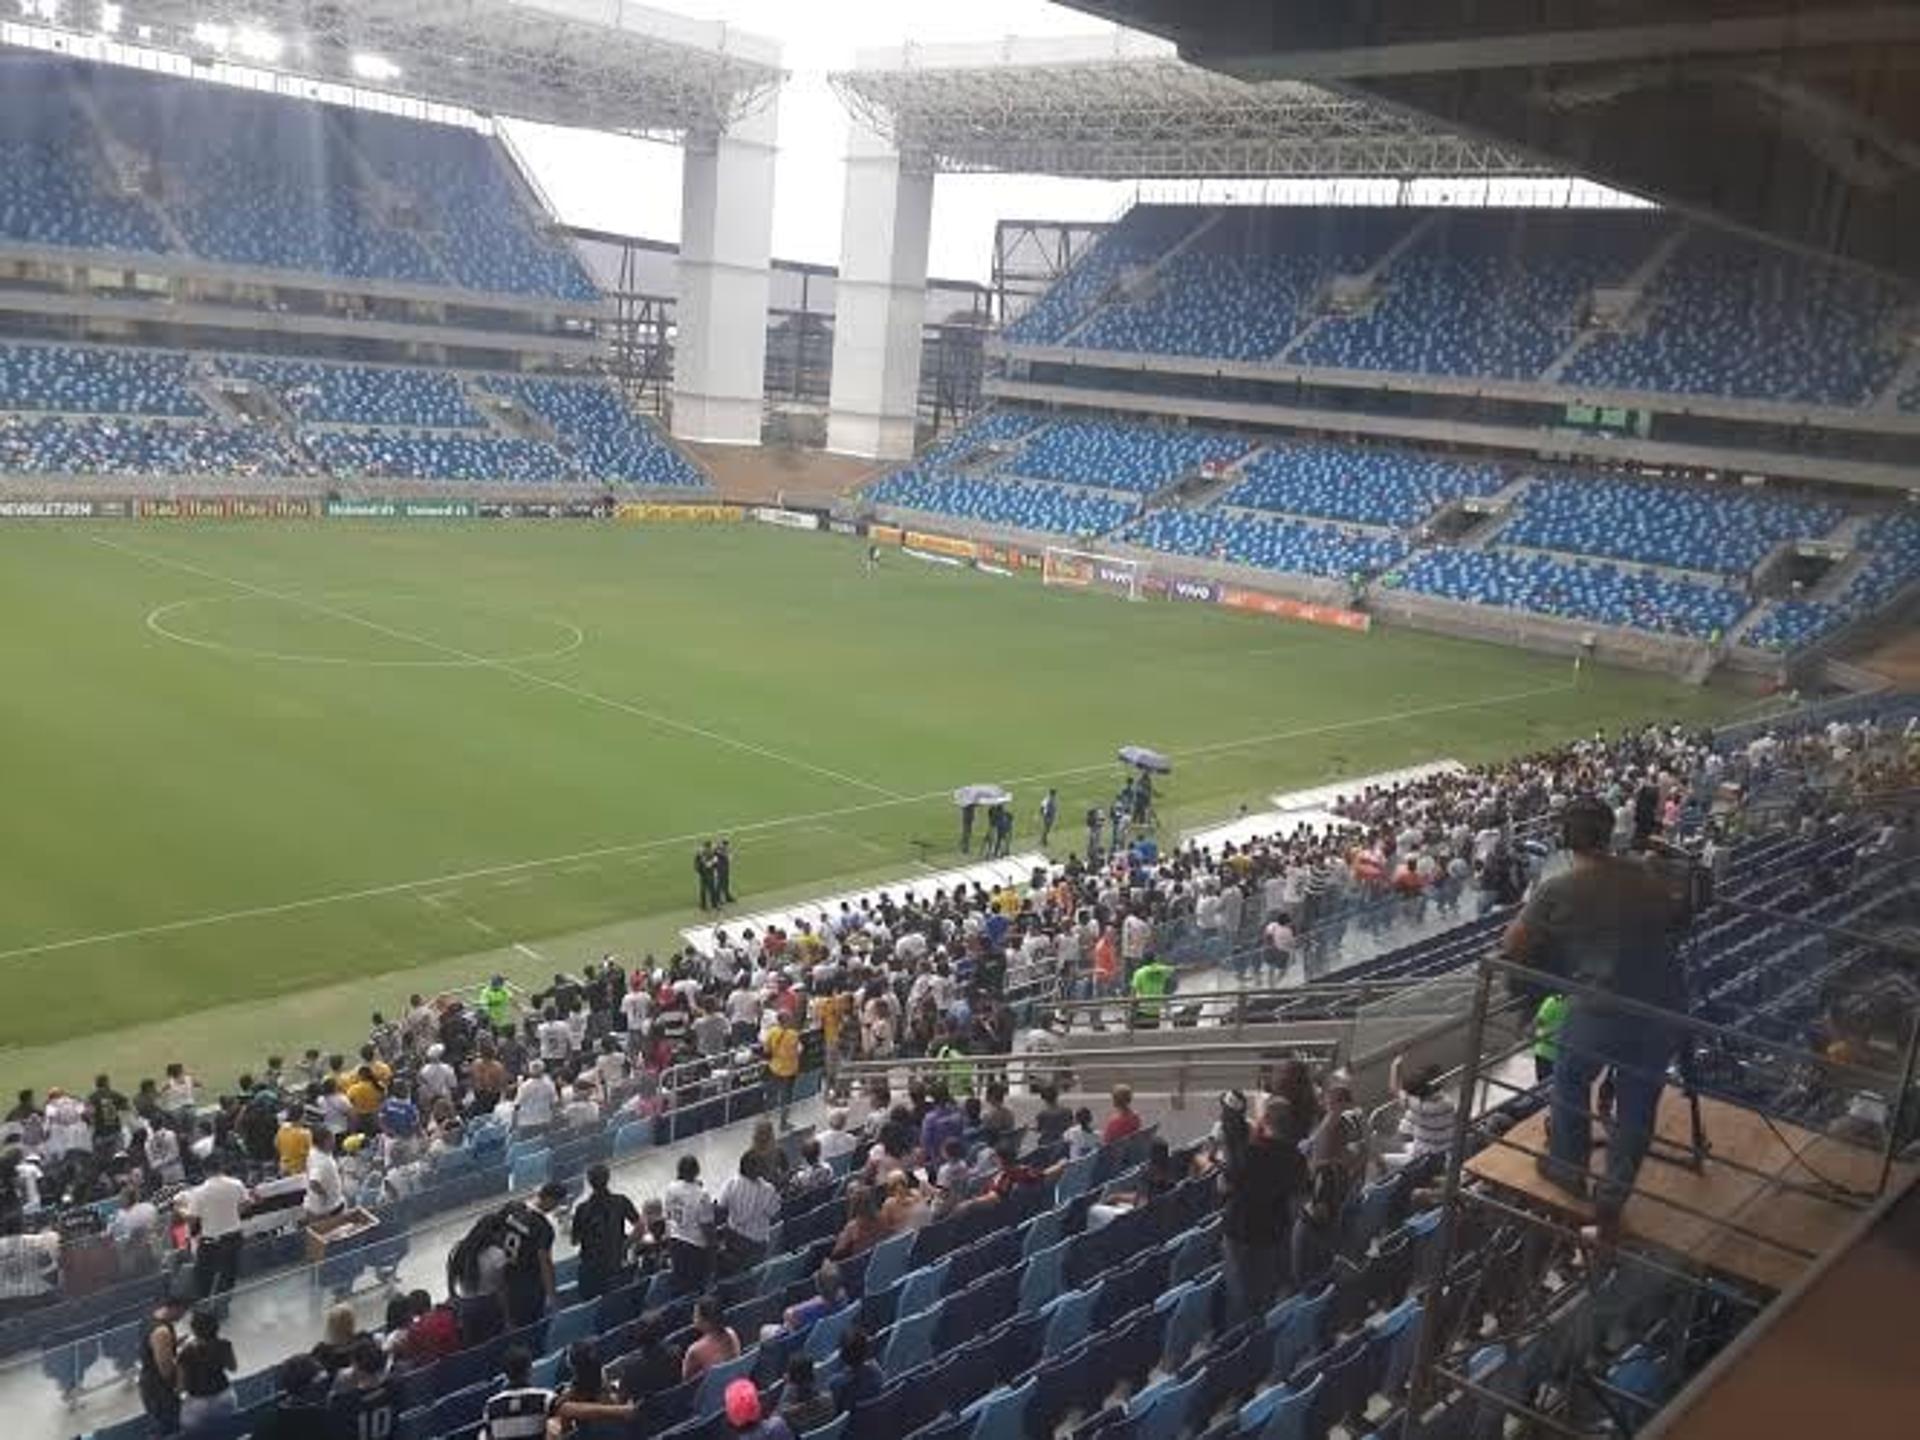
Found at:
[174, 1170]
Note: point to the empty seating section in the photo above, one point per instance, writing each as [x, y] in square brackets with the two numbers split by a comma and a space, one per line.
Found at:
[479, 226]
[1270, 544]
[360, 394]
[1361, 483]
[93, 445]
[1142, 458]
[1694, 527]
[256, 180]
[96, 381]
[1137, 238]
[100, 158]
[996, 427]
[1600, 593]
[1890, 563]
[92, 409]
[402, 455]
[1056, 509]
[1246, 286]
[1731, 317]
[594, 425]
[54, 184]
[1496, 293]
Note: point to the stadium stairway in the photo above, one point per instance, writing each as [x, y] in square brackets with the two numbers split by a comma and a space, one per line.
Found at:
[1142, 277]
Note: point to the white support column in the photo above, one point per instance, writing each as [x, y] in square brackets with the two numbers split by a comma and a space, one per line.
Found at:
[726, 247]
[879, 301]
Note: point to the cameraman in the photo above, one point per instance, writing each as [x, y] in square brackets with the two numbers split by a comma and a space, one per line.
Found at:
[1609, 922]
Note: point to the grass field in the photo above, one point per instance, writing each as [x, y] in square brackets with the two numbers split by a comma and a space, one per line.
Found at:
[258, 761]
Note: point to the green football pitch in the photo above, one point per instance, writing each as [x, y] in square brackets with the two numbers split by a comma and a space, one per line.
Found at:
[250, 767]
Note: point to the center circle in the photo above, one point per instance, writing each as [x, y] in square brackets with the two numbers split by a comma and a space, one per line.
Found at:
[336, 607]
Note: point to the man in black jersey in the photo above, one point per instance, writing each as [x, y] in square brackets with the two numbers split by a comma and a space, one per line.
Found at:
[600, 1227]
[526, 1235]
[367, 1400]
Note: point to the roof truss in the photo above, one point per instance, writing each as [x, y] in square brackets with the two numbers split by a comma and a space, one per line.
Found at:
[1147, 119]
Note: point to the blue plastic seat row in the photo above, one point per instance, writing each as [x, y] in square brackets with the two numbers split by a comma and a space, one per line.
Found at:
[1719, 528]
[1300, 546]
[1369, 484]
[1026, 505]
[1573, 590]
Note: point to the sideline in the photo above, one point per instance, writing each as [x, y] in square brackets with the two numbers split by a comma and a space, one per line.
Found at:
[753, 827]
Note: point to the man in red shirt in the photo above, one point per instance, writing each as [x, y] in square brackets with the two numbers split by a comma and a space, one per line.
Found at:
[1122, 1122]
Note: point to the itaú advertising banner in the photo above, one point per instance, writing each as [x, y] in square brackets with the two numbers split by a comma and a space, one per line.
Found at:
[1262, 603]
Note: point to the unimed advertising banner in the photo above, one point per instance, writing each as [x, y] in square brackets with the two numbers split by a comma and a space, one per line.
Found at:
[400, 509]
[791, 519]
[1287, 609]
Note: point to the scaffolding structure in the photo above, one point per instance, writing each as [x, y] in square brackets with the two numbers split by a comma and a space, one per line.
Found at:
[1735, 1202]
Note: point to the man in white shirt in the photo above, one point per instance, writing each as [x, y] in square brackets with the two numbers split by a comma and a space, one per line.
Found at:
[689, 1214]
[834, 1140]
[436, 1080]
[581, 1108]
[536, 1100]
[555, 1036]
[215, 1205]
[750, 1205]
[326, 1194]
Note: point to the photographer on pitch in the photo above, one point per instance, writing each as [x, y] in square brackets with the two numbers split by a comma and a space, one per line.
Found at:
[1610, 922]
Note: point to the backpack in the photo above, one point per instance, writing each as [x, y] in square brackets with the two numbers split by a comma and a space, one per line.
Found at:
[463, 1261]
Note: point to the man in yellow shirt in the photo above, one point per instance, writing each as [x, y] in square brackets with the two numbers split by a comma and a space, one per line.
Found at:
[364, 1092]
[291, 1143]
[783, 1061]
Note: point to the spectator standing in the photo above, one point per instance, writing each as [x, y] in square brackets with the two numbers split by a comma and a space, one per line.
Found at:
[214, 1206]
[783, 1062]
[326, 1195]
[527, 1239]
[600, 1229]
[159, 1367]
[204, 1362]
[689, 1215]
[1262, 1173]
[749, 1205]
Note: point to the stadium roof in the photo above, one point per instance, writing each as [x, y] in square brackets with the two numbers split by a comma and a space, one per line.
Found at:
[1797, 119]
[1122, 107]
[601, 64]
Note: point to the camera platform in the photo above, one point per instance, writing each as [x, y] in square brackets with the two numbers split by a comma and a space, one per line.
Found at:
[1756, 1177]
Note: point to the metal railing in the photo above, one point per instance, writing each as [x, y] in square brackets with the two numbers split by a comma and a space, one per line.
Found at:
[1509, 1371]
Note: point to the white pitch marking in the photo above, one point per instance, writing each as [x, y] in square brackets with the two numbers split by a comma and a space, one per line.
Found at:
[635, 849]
[480, 925]
[529, 952]
[504, 667]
